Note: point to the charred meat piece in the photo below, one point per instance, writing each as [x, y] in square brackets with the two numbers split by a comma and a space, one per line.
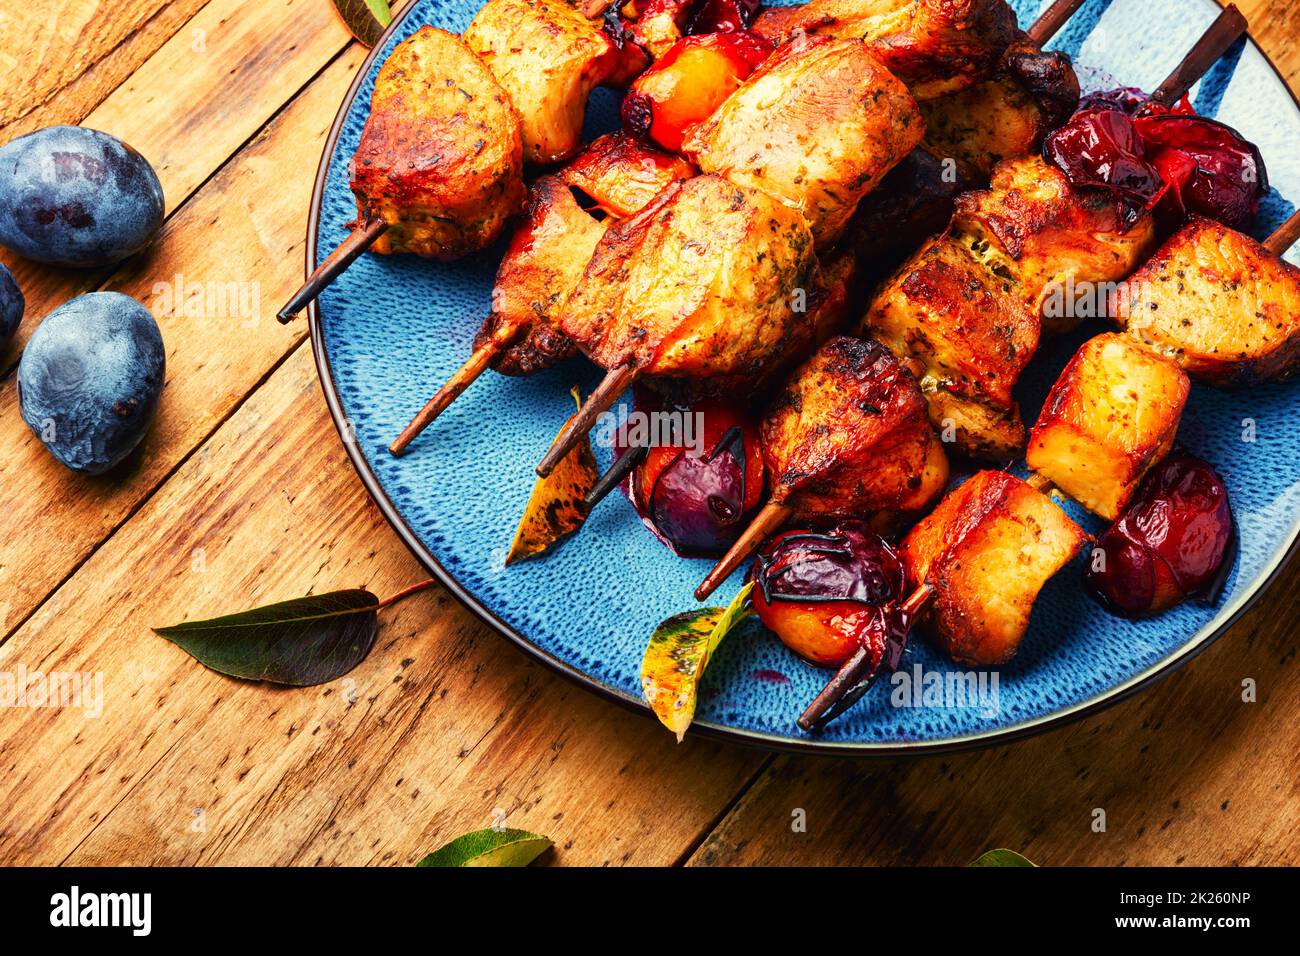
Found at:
[1109, 418]
[1050, 238]
[986, 551]
[544, 262]
[966, 331]
[657, 24]
[440, 158]
[818, 125]
[1219, 304]
[934, 46]
[621, 175]
[548, 254]
[549, 57]
[1007, 115]
[848, 436]
[696, 290]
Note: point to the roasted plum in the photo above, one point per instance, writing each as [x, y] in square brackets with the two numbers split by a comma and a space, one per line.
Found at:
[12, 305]
[1169, 544]
[697, 491]
[1166, 159]
[688, 83]
[827, 593]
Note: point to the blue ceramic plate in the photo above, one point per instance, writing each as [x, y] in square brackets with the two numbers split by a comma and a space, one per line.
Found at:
[391, 330]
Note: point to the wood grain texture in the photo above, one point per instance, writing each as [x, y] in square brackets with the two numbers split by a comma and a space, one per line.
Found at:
[246, 227]
[442, 725]
[70, 101]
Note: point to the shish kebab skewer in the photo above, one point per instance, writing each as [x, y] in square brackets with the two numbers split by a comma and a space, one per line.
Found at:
[438, 171]
[1137, 378]
[489, 344]
[776, 512]
[667, 296]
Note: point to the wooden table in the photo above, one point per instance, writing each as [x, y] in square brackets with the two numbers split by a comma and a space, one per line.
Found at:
[243, 495]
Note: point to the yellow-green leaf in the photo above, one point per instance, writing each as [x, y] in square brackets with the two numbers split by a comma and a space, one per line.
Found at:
[1002, 858]
[558, 505]
[679, 651]
[489, 848]
[365, 19]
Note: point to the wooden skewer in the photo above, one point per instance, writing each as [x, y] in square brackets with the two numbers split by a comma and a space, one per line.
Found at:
[1051, 20]
[1284, 236]
[615, 383]
[772, 516]
[849, 683]
[357, 242]
[611, 479]
[1227, 28]
[463, 377]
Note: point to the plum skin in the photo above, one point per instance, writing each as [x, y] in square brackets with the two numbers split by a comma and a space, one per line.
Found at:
[90, 379]
[72, 196]
[12, 305]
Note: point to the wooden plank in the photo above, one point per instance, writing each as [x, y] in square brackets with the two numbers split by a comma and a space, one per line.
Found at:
[188, 110]
[1187, 773]
[247, 227]
[442, 725]
[28, 107]
[1274, 26]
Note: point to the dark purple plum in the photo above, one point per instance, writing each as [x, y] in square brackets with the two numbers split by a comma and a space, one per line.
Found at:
[90, 379]
[72, 196]
[12, 305]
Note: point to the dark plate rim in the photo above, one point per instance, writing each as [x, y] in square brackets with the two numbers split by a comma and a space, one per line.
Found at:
[702, 728]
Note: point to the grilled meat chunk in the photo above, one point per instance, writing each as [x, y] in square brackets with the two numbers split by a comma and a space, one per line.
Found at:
[818, 125]
[656, 24]
[696, 290]
[967, 333]
[1050, 239]
[548, 254]
[987, 550]
[543, 264]
[439, 158]
[934, 46]
[1007, 115]
[1109, 418]
[549, 57]
[621, 174]
[1219, 304]
[848, 436]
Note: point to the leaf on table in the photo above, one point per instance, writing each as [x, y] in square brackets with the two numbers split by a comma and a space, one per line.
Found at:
[1002, 858]
[490, 848]
[679, 651]
[365, 19]
[308, 640]
[558, 505]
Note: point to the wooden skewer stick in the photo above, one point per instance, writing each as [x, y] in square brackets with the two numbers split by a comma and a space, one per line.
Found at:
[357, 242]
[848, 684]
[615, 383]
[1051, 20]
[611, 479]
[772, 516]
[463, 377]
[1284, 236]
[1227, 28]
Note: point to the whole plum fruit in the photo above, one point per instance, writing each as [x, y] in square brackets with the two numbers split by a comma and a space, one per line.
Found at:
[72, 196]
[12, 305]
[90, 378]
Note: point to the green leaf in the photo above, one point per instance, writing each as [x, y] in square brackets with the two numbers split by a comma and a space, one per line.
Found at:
[1002, 858]
[365, 19]
[308, 640]
[679, 651]
[489, 848]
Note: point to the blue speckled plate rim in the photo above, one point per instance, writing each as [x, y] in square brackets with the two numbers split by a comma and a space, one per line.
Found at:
[1207, 635]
